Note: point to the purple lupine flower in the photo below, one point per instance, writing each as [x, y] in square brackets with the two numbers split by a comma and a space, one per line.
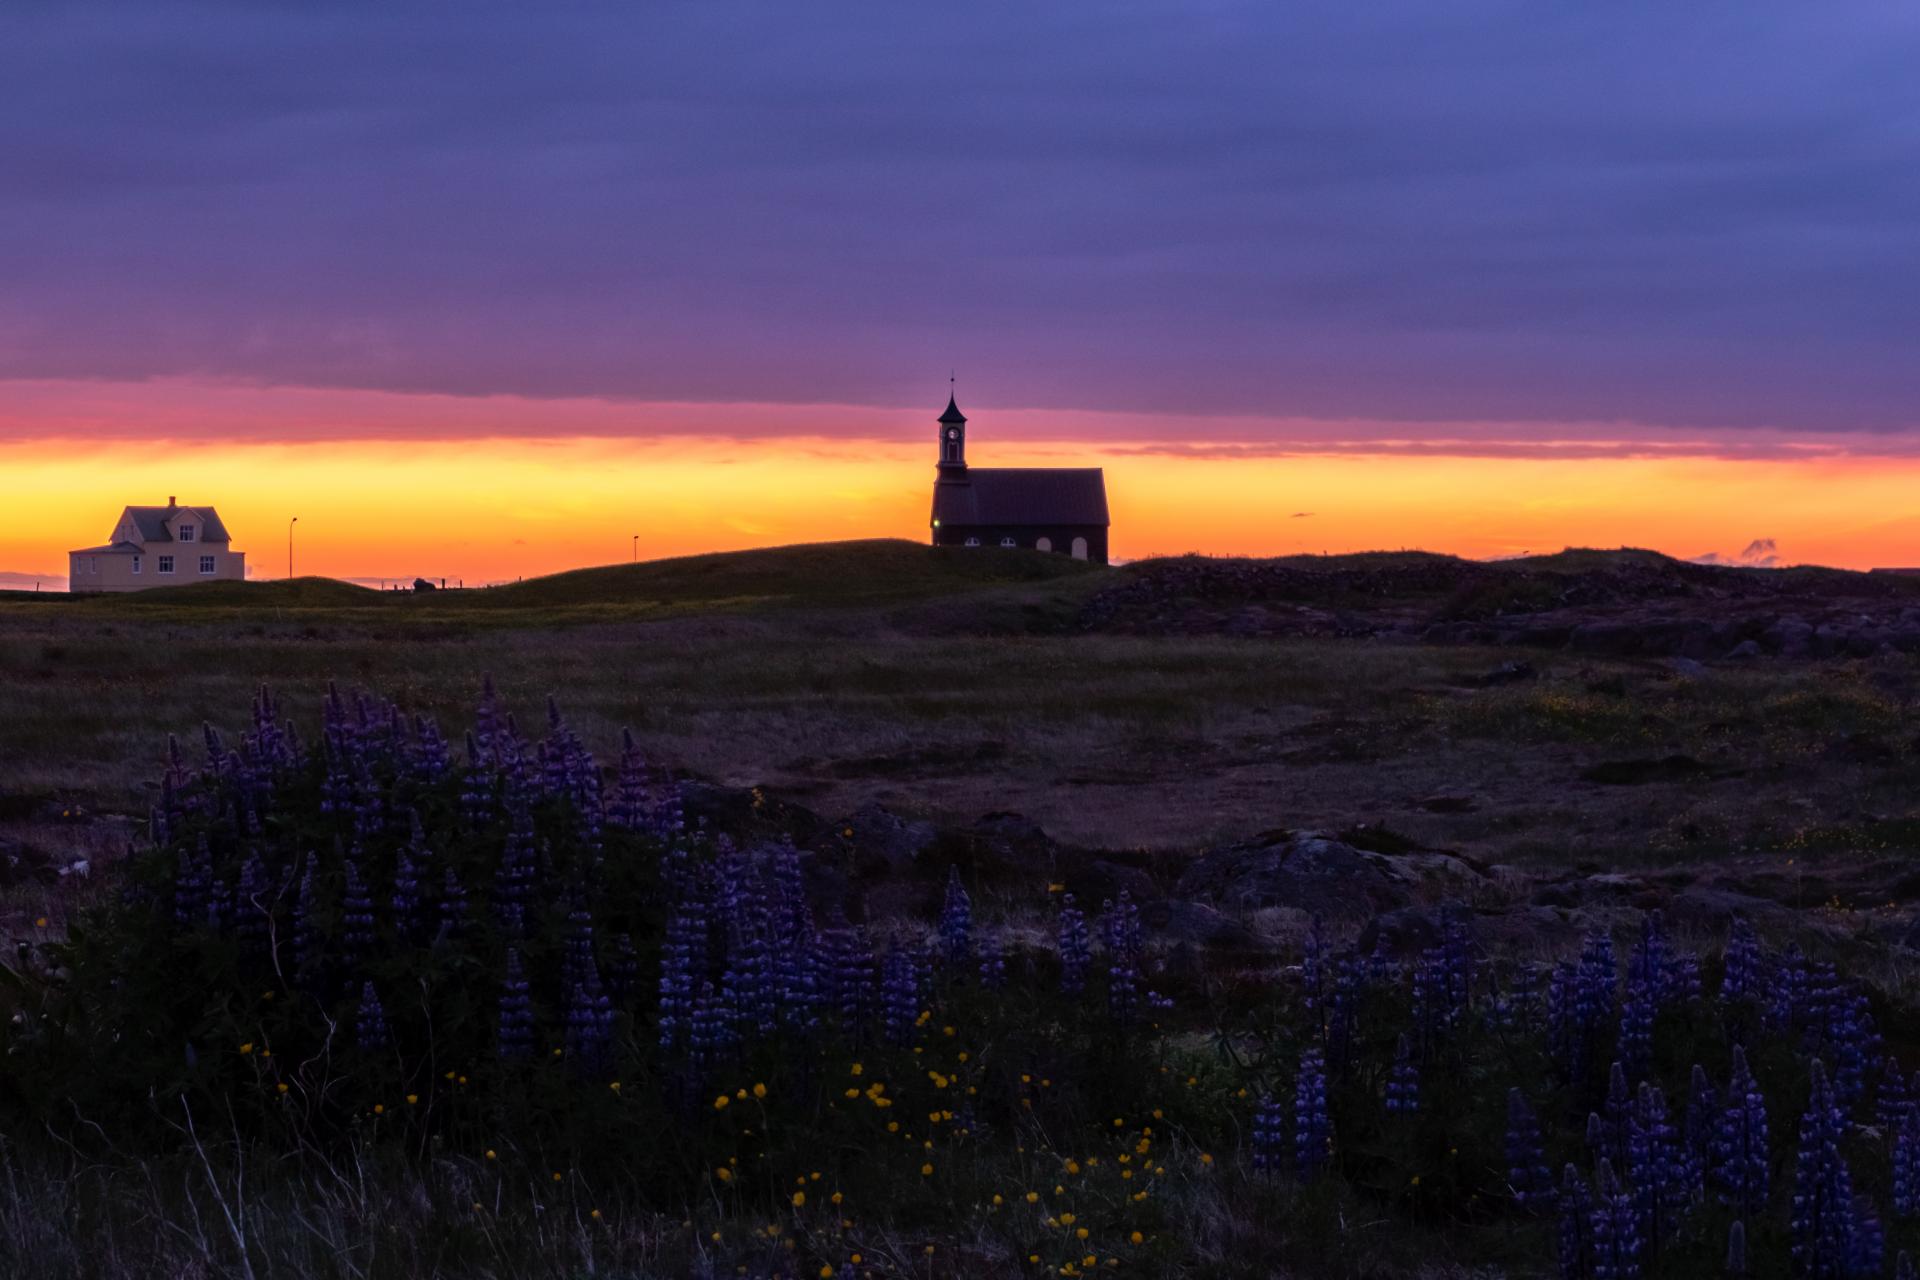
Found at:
[1313, 958]
[1892, 1098]
[516, 1011]
[1853, 1041]
[632, 801]
[1867, 1250]
[576, 944]
[1432, 1015]
[851, 971]
[370, 1024]
[1566, 1035]
[710, 1037]
[513, 879]
[1312, 1122]
[1821, 1227]
[683, 965]
[623, 971]
[251, 907]
[1121, 925]
[1343, 1015]
[589, 1025]
[1574, 1239]
[1740, 1168]
[1528, 1174]
[1596, 979]
[1906, 1164]
[1075, 954]
[1403, 1080]
[1618, 1116]
[308, 943]
[190, 885]
[1656, 1169]
[453, 905]
[956, 923]
[476, 788]
[1786, 991]
[1736, 1264]
[1269, 1134]
[1636, 1027]
[429, 757]
[356, 913]
[1698, 1129]
[747, 979]
[407, 918]
[899, 995]
[1614, 1241]
[993, 965]
[218, 903]
[1903, 1268]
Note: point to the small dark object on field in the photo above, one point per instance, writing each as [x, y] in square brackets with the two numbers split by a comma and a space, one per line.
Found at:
[1633, 773]
[1515, 672]
[421, 584]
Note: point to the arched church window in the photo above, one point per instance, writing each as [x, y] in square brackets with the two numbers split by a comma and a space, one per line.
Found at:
[1006, 542]
[973, 542]
[1043, 544]
[1079, 548]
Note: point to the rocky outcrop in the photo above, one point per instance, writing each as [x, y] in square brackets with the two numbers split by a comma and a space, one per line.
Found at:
[1317, 873]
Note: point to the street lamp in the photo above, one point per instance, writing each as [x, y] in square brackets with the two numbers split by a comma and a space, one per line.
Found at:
[290, 524]
[636, 548]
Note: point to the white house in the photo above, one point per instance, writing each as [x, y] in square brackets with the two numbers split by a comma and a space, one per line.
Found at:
[158, 547]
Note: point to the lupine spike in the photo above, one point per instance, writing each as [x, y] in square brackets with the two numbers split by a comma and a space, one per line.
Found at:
[956, 923]
[370, 1025]
[1528, 1174]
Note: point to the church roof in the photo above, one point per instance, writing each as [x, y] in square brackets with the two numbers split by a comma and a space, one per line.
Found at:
[953, 413]
[1022, 496]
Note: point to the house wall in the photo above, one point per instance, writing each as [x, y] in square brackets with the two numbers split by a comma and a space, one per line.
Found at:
[113, 571]
[1026, 536]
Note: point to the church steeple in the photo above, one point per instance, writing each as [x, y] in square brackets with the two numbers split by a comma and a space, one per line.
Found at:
[953, 441]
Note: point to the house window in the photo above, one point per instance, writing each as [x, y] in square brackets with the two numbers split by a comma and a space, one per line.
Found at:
[136, 564]
[973, 542]
[186, 533]
[206, 564]
[166, 564]
[1006, 542]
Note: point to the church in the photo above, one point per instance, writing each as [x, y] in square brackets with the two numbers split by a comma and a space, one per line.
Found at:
[1059, 509]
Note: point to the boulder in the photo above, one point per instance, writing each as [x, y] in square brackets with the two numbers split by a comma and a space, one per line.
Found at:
[1196, 924]
[1314, 872]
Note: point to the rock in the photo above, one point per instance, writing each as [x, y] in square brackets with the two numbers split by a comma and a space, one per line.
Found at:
[1686, 668]
[1745, 649]
[1407, 931]
[1314, 872]
[1197, 924]
[1790, 637]
[1714, 907]
[1104, 879]
[1012, 842]
[874, 841]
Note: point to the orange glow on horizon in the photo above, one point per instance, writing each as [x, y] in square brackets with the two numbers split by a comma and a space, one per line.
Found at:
[499, 508]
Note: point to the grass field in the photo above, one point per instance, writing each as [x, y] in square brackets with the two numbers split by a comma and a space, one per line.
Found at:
[952, 685]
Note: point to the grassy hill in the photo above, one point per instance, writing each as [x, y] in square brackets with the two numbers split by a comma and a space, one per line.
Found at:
[828, 574]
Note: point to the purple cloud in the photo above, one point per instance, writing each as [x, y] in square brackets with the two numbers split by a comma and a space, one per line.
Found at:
[1699, 215]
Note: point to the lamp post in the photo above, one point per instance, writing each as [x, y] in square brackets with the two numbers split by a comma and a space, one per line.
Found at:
[290, 524]
[636, 548]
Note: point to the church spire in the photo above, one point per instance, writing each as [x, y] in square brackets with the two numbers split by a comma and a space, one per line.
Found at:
[953, 439]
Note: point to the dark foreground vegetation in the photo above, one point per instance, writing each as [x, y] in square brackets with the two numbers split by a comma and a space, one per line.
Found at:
[1335, 876]
[370, 1003]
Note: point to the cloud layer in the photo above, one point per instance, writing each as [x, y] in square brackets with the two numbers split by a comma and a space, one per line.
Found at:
[1699, 215]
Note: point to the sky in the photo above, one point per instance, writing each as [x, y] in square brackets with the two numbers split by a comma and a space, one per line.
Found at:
[486, 290]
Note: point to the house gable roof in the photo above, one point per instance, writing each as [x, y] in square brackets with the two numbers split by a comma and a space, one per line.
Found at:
[1022, 496]
[152, 523]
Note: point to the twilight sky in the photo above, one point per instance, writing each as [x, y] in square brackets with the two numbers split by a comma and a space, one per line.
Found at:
[1502, 229]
